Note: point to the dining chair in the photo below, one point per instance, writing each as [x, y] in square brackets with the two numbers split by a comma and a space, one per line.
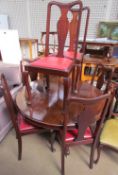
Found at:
[20, 125]
[56, 64]
[78, 124]
[101, 77]
[72, 32]
[109, 135]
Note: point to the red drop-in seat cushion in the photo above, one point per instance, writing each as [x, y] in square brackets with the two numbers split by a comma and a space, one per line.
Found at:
[72, 134]
[23, 125]
[70, 54]
[53, 62]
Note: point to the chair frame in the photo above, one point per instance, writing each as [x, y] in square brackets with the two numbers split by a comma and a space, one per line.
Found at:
[72, 30]
[82, 126]
[13, 115]
[101, 76]
[62, 34]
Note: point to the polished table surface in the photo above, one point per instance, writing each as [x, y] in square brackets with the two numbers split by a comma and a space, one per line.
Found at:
[45, 107]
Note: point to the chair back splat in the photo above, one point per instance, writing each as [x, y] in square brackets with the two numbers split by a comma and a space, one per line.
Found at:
[72, 49]
[73, 28]
[62, 25]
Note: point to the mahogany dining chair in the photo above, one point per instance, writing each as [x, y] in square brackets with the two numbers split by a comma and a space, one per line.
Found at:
[77, 126]
[57, 64]
[20, 125]
[101, 77]
[69, 53]
[89, 110]
[72, 32]
[80, 53]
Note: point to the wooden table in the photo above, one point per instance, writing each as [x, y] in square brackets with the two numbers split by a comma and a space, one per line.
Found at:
[46, 108]
[90, 62]
[100, 42]
[111, 63]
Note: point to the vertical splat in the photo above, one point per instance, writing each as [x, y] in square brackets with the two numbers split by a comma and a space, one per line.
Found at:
[62, 30]
[73, 29]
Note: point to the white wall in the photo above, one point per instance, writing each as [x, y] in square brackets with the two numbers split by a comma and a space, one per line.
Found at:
[29, 16]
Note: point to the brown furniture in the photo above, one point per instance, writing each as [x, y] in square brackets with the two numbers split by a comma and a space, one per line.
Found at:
[101, 78]
[57, 64]
[101, 42]
[70, 52]
[72, 32]
[39, 113]
[20, 125]
[112, 63]
[46, 113]
[107, 45]
[77, 129]
[89, 64]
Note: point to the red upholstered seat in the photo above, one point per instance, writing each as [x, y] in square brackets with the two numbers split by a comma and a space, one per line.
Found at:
[53, 62]
[23, 125]
[70, 54]
[72, 134]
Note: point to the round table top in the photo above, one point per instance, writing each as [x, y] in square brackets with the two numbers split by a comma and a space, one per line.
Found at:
[46, 108]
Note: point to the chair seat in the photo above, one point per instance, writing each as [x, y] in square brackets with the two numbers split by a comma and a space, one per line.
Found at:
[109, 134]
[23, 125]
[70, 55]
[53, 62]
[72, 134]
